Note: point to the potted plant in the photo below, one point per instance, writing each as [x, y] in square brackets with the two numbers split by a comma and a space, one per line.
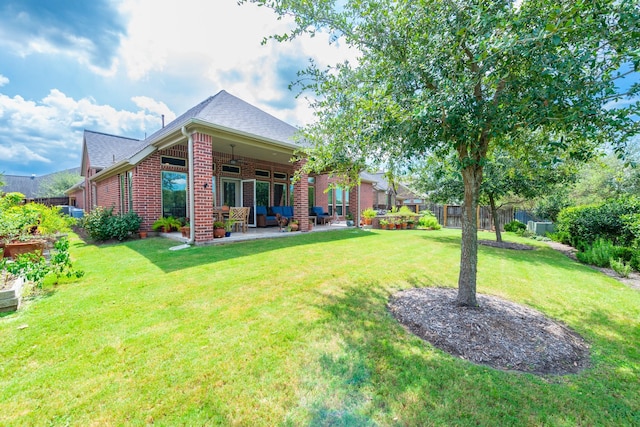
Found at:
[384, 224]
[26, 228]
[410, 223]
[166, 224]
[368, 215]
[293, 224]
[186, 228]
[349, 219]
[228, 227]
[218, 229]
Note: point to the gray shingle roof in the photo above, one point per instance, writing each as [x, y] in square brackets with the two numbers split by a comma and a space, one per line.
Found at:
[28, 185]
[104, 149]
[226, 110]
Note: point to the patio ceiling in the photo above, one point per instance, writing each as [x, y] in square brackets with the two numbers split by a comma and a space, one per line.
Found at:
[252, 149]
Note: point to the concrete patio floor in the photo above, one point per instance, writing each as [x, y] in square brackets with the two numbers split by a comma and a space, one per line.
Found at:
[258, 233]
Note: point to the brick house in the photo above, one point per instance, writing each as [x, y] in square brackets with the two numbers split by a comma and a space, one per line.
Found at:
[223, 151]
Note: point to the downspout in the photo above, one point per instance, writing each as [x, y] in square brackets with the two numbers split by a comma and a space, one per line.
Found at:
[192, 197]
[359, 213]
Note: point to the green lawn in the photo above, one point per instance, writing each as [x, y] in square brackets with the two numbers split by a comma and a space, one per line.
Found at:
[295, 331]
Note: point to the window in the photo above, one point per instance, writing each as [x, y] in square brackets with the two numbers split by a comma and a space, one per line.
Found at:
[231, 169]
[173, 161]
[123, 184]
[330, 201]
[174, 194]
[214, 193]
[339, 201]
[279, 194]
[263, 173]
[346, 202]
[262, 193]
[130, 187]
[280, 175]
[312, 197]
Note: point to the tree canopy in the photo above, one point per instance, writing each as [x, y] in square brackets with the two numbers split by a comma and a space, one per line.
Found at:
[467, 75]
[56, 184]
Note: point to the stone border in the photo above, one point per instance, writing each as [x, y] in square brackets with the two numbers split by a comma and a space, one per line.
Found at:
[10, 298]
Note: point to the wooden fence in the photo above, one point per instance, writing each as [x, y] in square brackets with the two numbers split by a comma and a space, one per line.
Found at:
[451, 216]
[50, 201]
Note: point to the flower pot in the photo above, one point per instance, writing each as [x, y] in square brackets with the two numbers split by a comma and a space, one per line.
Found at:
[368, 221]
[14, 249]
[218, 233]
[143, 234]
[186, 231]
[227, 234]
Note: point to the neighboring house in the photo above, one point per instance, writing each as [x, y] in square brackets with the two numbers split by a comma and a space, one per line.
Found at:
[387, 196]
[27, 185]
[223, 151]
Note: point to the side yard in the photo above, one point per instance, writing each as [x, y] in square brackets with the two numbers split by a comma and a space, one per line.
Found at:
[297, 331]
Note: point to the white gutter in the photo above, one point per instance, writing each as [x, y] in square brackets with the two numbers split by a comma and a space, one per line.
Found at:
[192, 197]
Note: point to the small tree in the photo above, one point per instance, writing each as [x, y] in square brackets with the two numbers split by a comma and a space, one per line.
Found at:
[56, 184]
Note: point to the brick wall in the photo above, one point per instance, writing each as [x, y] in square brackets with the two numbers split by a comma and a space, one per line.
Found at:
[108, 193]
[147, 192]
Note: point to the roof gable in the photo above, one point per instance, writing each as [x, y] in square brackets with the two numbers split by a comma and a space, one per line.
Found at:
[103, 149]
[230, 112]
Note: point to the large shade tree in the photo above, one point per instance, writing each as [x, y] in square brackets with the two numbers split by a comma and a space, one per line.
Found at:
[466, 75]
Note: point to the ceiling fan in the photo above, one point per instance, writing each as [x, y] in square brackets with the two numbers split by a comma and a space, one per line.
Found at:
[233, 160]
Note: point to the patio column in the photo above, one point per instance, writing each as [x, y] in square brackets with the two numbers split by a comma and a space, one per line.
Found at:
[203, 169]
[301, 198]
[354, 204]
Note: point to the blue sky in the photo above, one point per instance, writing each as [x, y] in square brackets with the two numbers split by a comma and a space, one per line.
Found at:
[117, 66]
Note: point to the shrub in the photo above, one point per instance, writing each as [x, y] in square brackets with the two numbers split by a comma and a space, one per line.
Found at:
[428, 220]
[597, 254]
[602, 251]
[620, 267]
[514, 226]
[635, 260]
[102, 225]
[615, 220]
[369, 213]
[166, 224]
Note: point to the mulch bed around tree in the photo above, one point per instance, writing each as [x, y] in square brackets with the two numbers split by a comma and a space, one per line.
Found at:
[499, 333]
[507, 245]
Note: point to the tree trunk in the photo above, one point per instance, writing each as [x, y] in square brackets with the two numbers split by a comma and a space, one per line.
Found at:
[472, 178]
[494, 215]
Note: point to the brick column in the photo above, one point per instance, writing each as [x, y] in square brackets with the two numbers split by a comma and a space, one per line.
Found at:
[202, 169]
[301, 198]
[353, 204]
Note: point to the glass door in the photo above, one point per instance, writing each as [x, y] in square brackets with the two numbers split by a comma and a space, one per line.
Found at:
[231, 192]
[249, 199]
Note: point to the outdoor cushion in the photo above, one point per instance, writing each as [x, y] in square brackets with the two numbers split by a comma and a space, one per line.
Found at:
[270, 217]
[322, 216]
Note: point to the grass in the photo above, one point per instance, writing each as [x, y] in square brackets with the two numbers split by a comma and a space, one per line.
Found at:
[296, 332]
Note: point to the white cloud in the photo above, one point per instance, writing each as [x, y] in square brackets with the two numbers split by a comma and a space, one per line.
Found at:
[3, 80]
[220, 42]
[40, 131]
[153, 106]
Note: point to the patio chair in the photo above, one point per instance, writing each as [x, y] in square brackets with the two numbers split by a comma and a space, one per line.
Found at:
[240, 216]
[322, 217]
